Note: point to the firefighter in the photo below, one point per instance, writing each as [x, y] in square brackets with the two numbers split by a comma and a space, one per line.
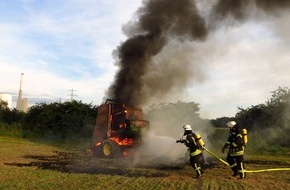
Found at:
[195, 146]
[236, 146]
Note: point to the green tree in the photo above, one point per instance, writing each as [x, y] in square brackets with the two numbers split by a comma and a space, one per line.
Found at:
[270, 120]
[61, 119]
[221, 122]
[8, 116]
[3, 110]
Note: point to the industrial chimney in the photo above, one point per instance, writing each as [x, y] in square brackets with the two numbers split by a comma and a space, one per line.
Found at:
[22, 103]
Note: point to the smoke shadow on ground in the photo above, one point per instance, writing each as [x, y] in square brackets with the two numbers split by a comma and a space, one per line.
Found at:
[78, 162]
[68, 162]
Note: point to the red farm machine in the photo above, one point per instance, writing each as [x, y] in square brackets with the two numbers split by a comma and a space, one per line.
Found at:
[118, 131]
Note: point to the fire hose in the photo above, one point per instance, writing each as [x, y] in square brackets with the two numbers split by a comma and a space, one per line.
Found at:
[248, 171]
[216, 156]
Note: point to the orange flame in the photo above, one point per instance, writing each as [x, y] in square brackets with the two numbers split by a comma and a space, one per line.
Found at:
[123, 142]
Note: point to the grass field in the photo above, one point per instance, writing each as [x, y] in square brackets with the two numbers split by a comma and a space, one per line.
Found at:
[29, 165]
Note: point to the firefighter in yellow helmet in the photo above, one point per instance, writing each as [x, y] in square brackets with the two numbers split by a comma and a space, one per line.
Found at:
[195, 146]
[236, 146]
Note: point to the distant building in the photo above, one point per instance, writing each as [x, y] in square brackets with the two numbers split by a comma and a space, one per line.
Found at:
[22, 103]
[7, 98]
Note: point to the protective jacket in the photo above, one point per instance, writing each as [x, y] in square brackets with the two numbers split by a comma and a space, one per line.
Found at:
[192, 144]
[235, 143]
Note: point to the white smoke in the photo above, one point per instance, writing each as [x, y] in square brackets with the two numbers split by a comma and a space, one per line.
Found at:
[161, 151]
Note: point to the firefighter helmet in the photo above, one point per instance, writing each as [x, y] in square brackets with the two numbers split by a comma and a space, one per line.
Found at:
[187, 127]
[231, 124]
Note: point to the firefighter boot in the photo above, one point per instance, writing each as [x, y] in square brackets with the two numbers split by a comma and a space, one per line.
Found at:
[235, 170]
[197, 170]
[242, 171]
[198, 174]
[242, 175]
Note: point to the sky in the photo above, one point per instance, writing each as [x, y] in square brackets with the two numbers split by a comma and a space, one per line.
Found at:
[67, 45]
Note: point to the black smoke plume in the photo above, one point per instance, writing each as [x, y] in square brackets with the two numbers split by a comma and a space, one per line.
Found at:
[156, 59]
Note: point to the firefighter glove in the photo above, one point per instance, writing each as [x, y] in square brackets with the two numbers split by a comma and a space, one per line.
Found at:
[223, 149]
[179, 141]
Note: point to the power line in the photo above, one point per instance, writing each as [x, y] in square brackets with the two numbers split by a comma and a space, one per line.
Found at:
[72, 95]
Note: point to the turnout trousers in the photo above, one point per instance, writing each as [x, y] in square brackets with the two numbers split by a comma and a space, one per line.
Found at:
[237, 165]
[196, 162]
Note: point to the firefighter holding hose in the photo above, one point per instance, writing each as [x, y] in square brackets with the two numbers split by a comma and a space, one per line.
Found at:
[195, 146]
[235, 145]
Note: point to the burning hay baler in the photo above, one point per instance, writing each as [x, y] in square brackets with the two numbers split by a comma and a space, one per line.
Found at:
[118, 131]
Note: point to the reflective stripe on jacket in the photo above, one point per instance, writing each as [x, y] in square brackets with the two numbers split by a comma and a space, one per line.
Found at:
[197, 152]
[236, 144]
[236, 151]
[191, 143]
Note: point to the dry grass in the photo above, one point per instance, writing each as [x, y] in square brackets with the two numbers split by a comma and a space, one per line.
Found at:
[26, 165]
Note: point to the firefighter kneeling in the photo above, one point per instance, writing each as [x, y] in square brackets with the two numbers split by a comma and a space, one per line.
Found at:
[195, 145]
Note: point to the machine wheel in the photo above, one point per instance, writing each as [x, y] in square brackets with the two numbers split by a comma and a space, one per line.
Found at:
[111, 149]
[95, 151]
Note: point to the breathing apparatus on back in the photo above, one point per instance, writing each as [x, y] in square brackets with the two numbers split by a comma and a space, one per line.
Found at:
[199, 140]
[245, 135]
